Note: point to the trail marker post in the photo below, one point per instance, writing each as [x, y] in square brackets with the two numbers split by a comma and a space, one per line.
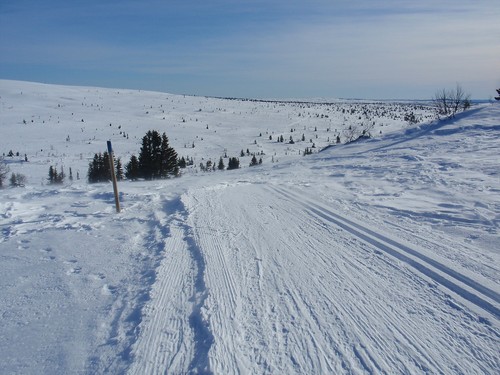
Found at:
[113, 176]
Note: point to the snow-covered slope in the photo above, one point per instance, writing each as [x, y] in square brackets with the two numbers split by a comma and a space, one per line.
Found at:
[380, 256]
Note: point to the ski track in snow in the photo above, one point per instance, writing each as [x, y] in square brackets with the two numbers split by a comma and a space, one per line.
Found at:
[481, 296]
[174, 334]
[263, 311]
[165, 339]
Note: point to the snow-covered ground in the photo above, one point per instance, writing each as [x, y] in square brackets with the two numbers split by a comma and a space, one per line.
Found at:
[381, 256]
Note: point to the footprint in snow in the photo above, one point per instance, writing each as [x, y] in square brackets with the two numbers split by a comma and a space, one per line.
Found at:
[96, 277]
[23, 244]
[74, 270]
[108, 290]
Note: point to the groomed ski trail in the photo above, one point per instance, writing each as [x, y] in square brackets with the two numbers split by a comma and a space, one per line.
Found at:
[481, 296]
[278, 287]
[173, 336]
[289, 292]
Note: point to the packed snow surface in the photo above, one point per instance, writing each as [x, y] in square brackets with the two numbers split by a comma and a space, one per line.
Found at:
[378, 256]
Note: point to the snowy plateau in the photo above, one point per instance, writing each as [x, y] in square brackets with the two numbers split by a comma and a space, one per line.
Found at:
[380, 256]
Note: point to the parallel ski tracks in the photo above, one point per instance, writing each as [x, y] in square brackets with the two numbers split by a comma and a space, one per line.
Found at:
[166, 340]
[479, 295]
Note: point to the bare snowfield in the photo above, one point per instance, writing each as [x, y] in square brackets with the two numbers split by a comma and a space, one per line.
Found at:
[380, 256]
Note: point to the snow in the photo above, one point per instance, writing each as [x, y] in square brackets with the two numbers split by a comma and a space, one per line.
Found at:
[380, 256]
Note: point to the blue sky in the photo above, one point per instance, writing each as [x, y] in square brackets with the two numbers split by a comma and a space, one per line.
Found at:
[260, 49]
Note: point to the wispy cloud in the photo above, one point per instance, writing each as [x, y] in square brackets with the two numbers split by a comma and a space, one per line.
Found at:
[261, 48]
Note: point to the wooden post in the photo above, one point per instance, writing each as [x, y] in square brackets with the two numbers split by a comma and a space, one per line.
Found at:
[113, 176]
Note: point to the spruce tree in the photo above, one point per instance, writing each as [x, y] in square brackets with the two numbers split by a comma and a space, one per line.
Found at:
[91, 173]
[54, 177]
[146, 156]
[156, 158]
[119, 170]
[51, 174]
[132, 169]
[106, 171]
[182, 162]
[221, 165]
[168, 158]
[99, 168]
[234, 163]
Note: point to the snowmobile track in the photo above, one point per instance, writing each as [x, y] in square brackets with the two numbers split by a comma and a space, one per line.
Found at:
[440, 273]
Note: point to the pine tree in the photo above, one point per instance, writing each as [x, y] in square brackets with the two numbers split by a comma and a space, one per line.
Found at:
[52, 174]
[60, 176]
[169, 158]
[119, 170]
[221, 165]
[147, 155]
[17, 179]
[99, 168]
[54, 177]
[182, 162]
[132, 169]
[254, 161]
[156, 158]
[91, 172]
[234, 163]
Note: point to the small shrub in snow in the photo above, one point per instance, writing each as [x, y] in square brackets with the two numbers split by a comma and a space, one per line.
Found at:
[17, 179]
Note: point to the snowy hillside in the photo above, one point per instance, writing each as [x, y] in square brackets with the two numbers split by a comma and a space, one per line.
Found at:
[380, 256]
